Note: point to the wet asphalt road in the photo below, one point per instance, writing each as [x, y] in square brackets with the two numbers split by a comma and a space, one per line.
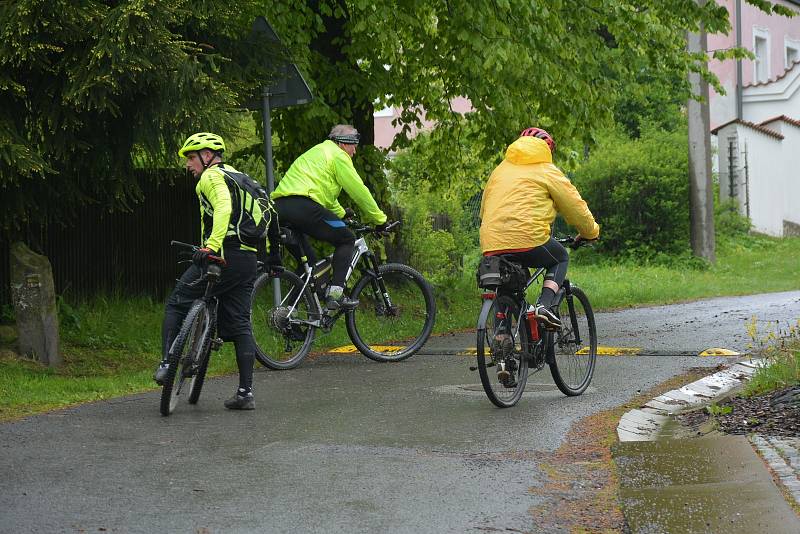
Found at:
[341, 444]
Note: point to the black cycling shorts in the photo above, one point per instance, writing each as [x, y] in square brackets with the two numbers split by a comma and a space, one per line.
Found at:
[233, 291]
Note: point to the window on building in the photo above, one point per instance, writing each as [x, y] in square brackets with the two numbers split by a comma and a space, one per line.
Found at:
[792, 52]
[761, 73]
[761, 51]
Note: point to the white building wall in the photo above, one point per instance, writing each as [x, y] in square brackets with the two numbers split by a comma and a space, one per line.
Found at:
[762, 183]
[791, 148]
[762, 102]
[765, 180]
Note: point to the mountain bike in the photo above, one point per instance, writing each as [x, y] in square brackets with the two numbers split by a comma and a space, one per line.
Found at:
[190, 353]
[394, 317]
[512, 343]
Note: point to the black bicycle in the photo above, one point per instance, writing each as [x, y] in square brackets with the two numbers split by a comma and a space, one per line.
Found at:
[394, 317]
[190, 353]
[511, 343]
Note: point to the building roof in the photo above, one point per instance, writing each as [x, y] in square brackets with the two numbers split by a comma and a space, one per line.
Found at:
[777, 78]
[758, 127]
[784, 118]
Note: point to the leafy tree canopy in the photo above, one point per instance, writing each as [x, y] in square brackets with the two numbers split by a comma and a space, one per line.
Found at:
[87, 88]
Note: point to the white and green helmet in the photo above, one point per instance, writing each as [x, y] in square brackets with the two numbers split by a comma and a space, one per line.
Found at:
[200, 141]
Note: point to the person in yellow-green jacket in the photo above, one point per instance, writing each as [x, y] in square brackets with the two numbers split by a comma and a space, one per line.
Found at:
[307, 200]
[226, 218]
[518, 207]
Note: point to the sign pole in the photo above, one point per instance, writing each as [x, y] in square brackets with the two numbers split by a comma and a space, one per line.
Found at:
[276, 285]
[267, 140]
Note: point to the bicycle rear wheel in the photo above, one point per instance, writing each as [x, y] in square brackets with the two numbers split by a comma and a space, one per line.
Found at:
[574, 349]
[391, 333]
[501, 349]
[183, 356]
[282, 334]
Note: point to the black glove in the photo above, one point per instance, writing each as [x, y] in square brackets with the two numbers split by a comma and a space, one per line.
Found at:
[200, 256]
[382, 227]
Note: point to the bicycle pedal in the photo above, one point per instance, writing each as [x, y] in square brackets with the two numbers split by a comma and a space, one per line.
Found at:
[216, 343]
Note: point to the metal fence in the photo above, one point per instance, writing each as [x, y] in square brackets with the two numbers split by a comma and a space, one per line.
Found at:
[127, 253]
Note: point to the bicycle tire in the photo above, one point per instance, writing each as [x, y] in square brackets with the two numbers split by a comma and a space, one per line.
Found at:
[199, 378]
[503, 393]
[281, 344]
[571, 366]
[398, 334]
[179, 358]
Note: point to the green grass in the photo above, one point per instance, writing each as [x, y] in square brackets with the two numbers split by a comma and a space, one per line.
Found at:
[626, 284]
[111, 345]
[781, 348]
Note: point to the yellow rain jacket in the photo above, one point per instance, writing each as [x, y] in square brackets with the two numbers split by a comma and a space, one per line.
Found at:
[522, 197]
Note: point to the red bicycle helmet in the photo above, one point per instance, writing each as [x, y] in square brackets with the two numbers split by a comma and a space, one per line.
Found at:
[541, 134]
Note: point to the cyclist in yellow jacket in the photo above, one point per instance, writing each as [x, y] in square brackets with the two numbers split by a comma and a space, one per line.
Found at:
[519, 206]
[306, 199]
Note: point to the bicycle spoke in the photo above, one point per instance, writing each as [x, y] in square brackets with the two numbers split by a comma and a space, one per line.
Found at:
[575, 347]
[393, 326]
[282, 334]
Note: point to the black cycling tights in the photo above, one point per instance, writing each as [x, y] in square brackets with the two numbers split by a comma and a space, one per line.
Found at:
[306, 216]
[553, 257]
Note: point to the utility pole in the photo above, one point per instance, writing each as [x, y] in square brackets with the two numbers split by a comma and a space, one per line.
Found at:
[701, 191]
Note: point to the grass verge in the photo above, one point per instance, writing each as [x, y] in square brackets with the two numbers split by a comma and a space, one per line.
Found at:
[781, 348]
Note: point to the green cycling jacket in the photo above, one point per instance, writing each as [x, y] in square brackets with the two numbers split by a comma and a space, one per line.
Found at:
[216, 209]
[320, 174]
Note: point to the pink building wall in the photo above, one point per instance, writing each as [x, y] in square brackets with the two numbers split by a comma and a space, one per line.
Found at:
[385, 131]
[779, 29]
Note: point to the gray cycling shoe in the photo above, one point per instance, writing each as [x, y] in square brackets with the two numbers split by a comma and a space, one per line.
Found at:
[548, 319]
[238, 402]
[161, 372]
[342, 303]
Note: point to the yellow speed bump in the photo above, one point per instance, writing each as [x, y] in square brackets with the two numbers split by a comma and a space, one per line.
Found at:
[349, 349]
[719, 352]
[612, 351]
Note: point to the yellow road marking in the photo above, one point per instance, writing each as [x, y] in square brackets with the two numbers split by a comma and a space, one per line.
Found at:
[349, 349]
[612, 351]
[719, 352]
[601, 351]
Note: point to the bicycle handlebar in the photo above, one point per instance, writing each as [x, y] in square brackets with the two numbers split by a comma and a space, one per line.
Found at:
[193, 248]
[573, 243]
[361, 228]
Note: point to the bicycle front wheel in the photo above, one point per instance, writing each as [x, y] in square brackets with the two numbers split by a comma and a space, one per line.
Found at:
[502, 347]
[192, 342]
[282, 332]
[395, 313]
[574, 349]
[199, 377]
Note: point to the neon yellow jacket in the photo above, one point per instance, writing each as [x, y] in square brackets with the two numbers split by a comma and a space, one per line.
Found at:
[522, 197]
[320, 174]
[216, 209]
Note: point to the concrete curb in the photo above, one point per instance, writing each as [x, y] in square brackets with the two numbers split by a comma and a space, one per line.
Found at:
[649, 422]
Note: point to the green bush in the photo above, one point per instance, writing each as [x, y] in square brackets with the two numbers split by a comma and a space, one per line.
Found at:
[728, 221]
[638, 190]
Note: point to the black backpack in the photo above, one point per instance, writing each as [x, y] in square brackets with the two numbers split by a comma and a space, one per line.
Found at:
[253, 214]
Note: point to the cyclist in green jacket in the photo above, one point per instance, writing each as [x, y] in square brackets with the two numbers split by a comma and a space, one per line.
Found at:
[221, 219]
[306, 200]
